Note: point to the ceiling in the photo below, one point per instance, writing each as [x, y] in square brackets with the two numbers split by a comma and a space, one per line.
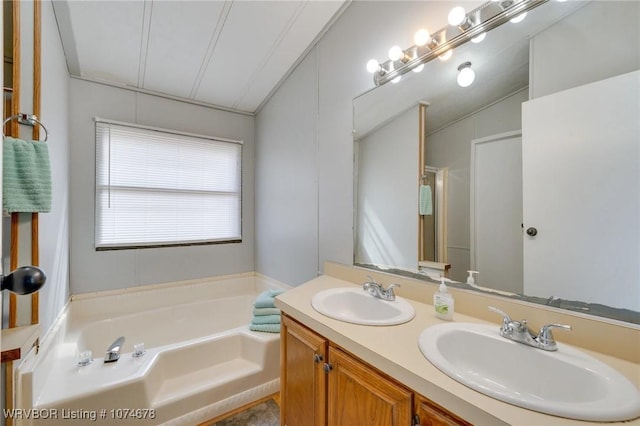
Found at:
[231, 54]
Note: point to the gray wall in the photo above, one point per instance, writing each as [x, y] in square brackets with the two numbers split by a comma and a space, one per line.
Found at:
[104, 270]
[335, 75]
[286, 179]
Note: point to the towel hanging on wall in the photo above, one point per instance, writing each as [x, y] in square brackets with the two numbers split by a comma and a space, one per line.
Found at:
[426, 202]
[26, 176]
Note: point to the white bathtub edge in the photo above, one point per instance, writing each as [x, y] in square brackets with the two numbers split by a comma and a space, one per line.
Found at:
[158, 286]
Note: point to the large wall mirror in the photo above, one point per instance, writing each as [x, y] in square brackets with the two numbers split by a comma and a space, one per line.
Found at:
[541, 156]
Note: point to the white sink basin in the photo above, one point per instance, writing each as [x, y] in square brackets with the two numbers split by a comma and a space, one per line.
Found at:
[354, 305]
[567, 382]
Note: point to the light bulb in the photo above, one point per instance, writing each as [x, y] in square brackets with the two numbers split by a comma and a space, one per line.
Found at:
[465, 75]
[422, 37]
[479, 38]
[446, 55]
[519, 18]
[457, 16]
[373, 66]
[397, 79]
[418, 68]
[395, 53]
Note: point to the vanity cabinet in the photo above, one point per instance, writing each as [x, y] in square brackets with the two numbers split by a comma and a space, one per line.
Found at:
[322, 385]
[428, 413]
[303, 392]
[359, 395]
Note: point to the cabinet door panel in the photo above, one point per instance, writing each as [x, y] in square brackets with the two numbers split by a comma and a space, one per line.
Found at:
[303, 394]
[431, 414]
[358, 395]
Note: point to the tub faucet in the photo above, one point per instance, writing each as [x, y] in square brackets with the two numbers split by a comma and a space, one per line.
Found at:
[113, 353]
[518, 331]
[376, 290]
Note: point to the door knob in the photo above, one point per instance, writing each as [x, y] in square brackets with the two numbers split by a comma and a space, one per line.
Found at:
[532, 232]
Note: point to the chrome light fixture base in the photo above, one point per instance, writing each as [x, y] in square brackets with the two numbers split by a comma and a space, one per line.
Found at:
[486, 17]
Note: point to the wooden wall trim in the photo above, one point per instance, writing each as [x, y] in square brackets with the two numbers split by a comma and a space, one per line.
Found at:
[10, 355]
[14, 130]
[37, 75]
[422, 145]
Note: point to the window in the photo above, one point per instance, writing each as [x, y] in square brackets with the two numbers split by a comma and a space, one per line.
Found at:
[157, 187]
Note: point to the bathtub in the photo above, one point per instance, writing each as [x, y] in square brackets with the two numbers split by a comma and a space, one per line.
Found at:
[201, 359]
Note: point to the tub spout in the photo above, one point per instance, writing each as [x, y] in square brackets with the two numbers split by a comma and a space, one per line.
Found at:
[113, 353]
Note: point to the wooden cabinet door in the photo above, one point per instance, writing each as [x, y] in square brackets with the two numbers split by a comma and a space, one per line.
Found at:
[430, 414]
[303, 381]
[359, 395]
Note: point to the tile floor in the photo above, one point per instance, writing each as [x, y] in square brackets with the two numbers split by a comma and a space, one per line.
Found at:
[264, 414]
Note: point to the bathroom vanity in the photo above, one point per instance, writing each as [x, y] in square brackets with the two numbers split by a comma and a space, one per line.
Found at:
[324, 383]
[338, 373]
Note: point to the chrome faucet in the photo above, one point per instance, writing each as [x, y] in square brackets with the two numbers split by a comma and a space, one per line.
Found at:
[113, 352]
[520, 332]
[376, 290]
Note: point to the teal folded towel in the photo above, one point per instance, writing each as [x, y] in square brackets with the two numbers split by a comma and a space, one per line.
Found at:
[266, 298]
[267, 328]
[266, 311]
[275, 292]
[426, 202]
[26, 176]
[266, 319]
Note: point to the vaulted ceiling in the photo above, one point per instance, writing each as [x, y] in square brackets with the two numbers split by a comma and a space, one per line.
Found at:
[231, 54]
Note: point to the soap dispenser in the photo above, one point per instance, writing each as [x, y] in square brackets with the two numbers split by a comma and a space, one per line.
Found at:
[443, 302]
[470, 279]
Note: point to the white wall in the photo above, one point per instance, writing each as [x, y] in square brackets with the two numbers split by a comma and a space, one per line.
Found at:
[92, 270]
[451, 147]
[365, 30]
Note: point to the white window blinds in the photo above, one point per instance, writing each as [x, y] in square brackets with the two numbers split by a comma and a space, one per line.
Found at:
[157, 187]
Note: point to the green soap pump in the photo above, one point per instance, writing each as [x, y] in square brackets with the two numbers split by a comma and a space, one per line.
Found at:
[443, 302]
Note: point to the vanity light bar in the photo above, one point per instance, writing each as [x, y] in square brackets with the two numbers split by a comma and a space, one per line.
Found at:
[486, 17]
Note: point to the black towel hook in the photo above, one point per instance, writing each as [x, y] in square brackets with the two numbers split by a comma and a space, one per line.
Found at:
[27, 120]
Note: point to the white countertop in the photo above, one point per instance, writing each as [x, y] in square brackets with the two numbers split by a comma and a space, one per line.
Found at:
[394, 350]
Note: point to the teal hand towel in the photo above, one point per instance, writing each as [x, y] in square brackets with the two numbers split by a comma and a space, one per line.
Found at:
[275, 292]
[26, 176]
[426, 202]
[266, 298]
[266, 319]
[266, 328]
[266, 311]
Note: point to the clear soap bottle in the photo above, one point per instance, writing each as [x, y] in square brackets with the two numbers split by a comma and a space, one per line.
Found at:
[443, 302]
